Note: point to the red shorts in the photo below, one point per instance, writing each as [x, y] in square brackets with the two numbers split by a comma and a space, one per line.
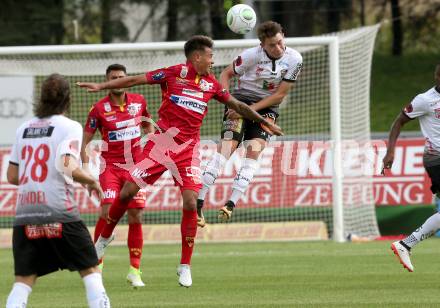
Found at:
[182, 160]
[112, 180]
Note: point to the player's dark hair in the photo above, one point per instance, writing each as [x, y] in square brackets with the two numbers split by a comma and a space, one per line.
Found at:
[197, 42]
[268, 29]
[115, 67]
[55, 97]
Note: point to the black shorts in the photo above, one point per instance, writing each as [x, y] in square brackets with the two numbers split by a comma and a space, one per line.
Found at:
[434, 174]
[243, 129]
[41, 251]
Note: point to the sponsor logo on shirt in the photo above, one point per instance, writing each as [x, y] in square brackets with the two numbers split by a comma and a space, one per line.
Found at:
[268, 85]
[184, 71]
[158, 76]
[134, 108]
[189, 103]
[190, 92]
[437, 113]
[109, 119]
[124, 134]
[181, 80]
[259, 70]
[38, 132]
[126, 123]
[205, 86]
[107, 107]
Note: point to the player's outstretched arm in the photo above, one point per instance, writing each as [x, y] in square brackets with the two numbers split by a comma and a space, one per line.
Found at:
[398, 123]
[250, 114]
[226, 75]
[126, 82]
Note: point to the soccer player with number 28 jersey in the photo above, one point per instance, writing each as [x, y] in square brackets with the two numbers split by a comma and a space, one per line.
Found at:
[120, 117]
[186, 90]
[48, 232]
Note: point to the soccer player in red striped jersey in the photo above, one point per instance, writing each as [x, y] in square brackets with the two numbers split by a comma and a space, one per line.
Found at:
[186, 90]
[117, 116]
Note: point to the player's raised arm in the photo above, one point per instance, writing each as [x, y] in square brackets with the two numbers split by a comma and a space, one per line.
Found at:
[250, 114]
[226, 75]
[126, 82]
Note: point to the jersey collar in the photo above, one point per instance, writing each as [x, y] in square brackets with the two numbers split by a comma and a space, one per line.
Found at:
[116, 105]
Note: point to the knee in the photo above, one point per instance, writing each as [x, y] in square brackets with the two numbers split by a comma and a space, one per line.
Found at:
[126, 195]
[134, 216]
[190, 204]
[104, 211]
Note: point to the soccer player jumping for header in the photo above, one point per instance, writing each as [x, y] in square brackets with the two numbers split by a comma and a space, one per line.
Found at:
[266, 74]
[186, 90]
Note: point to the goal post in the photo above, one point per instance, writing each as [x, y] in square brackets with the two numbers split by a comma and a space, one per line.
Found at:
[327, 109]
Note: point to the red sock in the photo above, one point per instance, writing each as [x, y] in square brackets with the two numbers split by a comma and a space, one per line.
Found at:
[135, 242]
[100, 224]
[188, 229]
[117, 210]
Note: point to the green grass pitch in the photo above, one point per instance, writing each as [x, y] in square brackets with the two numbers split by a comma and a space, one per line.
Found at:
[306, 274]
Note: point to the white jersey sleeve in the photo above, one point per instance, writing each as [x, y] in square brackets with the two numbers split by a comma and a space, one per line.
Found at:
[418, 107]
[295, 61]
[71, 145]
[246, 60]
[14, 159]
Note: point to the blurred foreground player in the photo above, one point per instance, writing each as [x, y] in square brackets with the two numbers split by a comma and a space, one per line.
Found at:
[425, 107]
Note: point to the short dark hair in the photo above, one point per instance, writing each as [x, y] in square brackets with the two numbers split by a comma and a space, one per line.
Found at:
[54, 98]
[197, 42]
[115, 67]
[268, 29]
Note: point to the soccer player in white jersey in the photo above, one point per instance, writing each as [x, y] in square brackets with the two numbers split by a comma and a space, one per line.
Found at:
[266, 74]
[48, 233]
[425, 107]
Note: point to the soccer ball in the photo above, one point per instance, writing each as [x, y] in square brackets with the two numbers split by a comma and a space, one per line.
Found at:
[241, 18]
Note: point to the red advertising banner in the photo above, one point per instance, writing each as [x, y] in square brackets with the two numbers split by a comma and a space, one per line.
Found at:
[291, 174]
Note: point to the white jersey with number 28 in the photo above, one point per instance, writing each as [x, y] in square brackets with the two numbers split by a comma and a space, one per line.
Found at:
[45, 194]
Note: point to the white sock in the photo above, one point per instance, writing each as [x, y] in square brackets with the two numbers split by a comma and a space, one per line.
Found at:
[431, 225]
[243, 178]
[96, 295]
[211, 173]
[19, 295]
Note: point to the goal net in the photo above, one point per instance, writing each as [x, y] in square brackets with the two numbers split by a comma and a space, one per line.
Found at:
[316, 172]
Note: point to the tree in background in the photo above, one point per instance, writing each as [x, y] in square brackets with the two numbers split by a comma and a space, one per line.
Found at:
[44, 28]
